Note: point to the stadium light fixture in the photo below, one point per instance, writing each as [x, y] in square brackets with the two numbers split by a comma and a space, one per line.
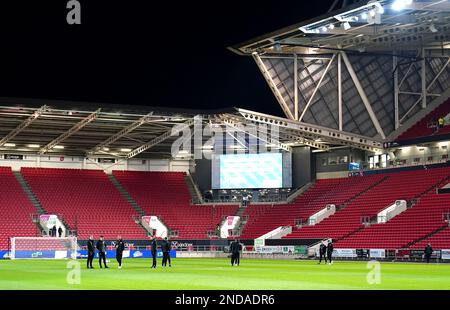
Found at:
[364, 16]
[34, 146]
[399, 5]
[331, 26]
[106, 149]
[58, 147]
[324, 29]
[9, 144]
[346, 26]
[125, 150]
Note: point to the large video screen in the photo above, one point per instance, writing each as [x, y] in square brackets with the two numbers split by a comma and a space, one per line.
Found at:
[251, 171]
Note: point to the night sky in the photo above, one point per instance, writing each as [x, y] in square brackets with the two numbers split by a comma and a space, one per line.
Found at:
[169, 54]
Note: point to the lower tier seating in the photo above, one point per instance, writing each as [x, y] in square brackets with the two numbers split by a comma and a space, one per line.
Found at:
[15, 219]
[86, 199]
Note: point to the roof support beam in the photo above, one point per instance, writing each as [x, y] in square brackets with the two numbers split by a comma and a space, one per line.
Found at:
[156, 141]
[423, 77]
[363, 95]
[273, 86]
[317, 87]
[296, 107]
[396, 92]
[23, 125]
[341, 123]
[77, 127]
[122, 133]
[310, 131]
[444, 67]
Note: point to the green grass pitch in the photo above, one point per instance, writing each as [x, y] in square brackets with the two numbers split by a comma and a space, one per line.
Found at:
[190, 273]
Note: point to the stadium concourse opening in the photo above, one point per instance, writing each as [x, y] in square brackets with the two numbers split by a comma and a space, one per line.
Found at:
[356, 173]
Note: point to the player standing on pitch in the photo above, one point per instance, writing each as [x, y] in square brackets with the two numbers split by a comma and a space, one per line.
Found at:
[120, 246]
[166, 247]
[91, 252]
[322, 253]
[154, 251]
[101, 247]
[330, 249]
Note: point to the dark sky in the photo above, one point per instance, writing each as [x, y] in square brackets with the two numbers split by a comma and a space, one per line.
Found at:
[155, 53]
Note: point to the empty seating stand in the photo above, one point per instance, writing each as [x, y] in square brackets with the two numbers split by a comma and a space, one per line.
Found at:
[346, 224]
[87, 201]
[423, 128]
[15, 220]
[440, 241]
[262, 219]
[165, 194]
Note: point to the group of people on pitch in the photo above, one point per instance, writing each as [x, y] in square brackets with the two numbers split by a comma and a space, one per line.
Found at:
[100, 246]
[326, 252]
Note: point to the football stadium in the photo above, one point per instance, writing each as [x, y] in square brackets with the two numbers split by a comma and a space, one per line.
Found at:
[348, 190]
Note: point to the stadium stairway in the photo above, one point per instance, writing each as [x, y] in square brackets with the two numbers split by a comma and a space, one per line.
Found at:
[346, 225]
[420, 221]
[263, 218]
[196, 196]
[31, 196]
[131, 201]
[438, 240]
[87, 200]
[165, 194]
[126, 195]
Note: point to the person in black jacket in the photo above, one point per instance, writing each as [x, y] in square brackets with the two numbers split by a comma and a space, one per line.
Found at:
[120, 247]
[239, 250]
[101, 247]
[154, 251]
[322, 253]
[91, 252]
[166, 247]
[428, 252]
[60, 231]
[330, 249]
[234, 249]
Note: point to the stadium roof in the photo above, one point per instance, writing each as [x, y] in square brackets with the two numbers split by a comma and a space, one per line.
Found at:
[372, 68]
[366, 26]
[47, 127]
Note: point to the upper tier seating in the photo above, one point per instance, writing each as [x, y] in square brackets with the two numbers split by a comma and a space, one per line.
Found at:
[423, 128]
[165, 194]
[263, 219]
[400, 185]
[15, 220]
[86, 199]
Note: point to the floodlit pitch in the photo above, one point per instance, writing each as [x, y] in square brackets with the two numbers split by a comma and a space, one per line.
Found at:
[216, 274]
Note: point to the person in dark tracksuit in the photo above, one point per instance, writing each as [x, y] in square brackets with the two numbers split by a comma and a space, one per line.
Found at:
[238, 258]
[120, 247]
[166, 247]
[428, 252]
[154, 251]
[234, 249]
[101, 247]
[330, 249]
[91, 252]
[322, 253]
